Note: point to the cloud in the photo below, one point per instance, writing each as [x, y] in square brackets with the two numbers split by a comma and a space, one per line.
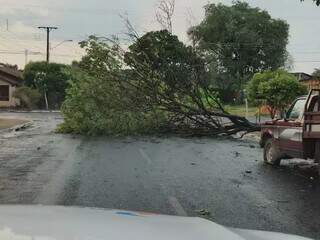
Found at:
[79, 18]
[187, 13]
[14, 8]
[20, 27]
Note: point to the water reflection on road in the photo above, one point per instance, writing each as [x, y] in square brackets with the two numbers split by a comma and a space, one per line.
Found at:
[168, 175]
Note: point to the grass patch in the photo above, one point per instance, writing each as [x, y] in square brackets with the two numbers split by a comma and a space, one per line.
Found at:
[240, 110]
[9, 123]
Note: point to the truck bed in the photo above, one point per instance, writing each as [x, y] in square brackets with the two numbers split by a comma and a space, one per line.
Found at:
[311, 125]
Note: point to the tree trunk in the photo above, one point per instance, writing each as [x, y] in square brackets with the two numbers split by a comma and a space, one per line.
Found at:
[46, 100]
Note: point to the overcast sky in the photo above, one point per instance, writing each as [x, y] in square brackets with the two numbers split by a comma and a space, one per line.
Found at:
[77, 19]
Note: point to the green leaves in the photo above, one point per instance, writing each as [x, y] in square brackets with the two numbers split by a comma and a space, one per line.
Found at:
[100, 99]
[276, 89]
[50, 79]
[316, 73]
[242, 40]
[157, 84]
[29, 97]
[172, 66]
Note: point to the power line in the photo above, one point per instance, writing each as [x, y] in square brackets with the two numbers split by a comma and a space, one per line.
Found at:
[22, 34]
[18, 42]
[90, 11]
[37, 53]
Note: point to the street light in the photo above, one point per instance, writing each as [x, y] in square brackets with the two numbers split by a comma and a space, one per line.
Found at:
[64, 41]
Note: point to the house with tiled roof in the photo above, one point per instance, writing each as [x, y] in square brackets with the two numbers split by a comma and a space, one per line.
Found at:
[307, 80]
[10, 78]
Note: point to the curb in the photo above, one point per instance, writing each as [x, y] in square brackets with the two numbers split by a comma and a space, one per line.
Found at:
[33, 111]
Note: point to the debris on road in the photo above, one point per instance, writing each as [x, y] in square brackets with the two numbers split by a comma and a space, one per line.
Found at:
[11, 123]
[236, 154]
[203, 212]
[22, 127]
[248, 171]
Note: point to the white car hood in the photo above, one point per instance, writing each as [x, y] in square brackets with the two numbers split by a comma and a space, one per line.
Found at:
[69, 223]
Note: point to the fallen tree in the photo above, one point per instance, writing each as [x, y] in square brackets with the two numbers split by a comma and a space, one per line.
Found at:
[158, 81]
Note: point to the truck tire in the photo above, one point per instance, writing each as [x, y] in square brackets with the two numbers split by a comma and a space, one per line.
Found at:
[271, 153]
[317, 152]
[317, 155]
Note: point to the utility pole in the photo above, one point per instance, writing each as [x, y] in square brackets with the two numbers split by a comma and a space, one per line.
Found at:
[48, 29]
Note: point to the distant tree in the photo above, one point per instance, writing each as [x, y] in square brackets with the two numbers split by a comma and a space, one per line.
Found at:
[50, 80]
[276, 89]
[165, 13]
[29, 97]
[239, 41]
[7, 65]
[316, 73]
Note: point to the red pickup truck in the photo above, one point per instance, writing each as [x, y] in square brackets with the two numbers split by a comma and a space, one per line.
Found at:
[295, 136]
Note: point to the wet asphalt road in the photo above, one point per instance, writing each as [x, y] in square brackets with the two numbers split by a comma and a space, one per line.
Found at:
[163, 175]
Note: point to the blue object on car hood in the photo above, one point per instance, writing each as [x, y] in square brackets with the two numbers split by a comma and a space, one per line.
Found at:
[70, 223]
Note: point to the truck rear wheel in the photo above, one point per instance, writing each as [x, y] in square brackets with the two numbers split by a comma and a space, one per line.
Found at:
[271, 153]
[317, 155]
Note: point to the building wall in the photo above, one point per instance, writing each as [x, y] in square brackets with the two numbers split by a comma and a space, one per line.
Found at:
[12, 101]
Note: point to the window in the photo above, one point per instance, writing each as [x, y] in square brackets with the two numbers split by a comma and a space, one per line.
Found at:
[4, 92]
[296, 110]
[314, 105]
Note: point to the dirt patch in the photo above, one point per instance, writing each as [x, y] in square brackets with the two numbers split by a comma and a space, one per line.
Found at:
[9, 123]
